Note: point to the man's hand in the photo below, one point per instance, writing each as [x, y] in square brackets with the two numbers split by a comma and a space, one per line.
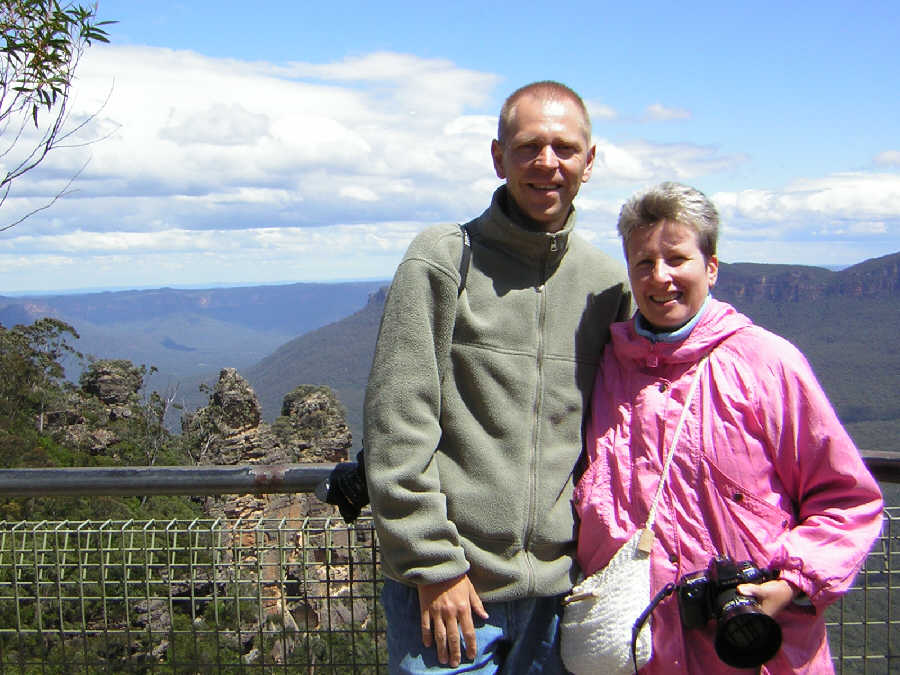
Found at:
[446, 609]
[773, 596]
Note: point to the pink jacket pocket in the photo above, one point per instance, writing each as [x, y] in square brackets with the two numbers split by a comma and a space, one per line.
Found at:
[740, 524]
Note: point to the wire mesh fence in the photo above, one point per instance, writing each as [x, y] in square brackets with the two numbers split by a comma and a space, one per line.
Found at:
[864, 626]
[210, 596]
[190, 597]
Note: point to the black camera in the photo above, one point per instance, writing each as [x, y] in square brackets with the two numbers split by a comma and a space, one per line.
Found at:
[745, 636]
[345, 487]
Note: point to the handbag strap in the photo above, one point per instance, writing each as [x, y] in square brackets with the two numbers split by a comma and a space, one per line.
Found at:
[646, 540]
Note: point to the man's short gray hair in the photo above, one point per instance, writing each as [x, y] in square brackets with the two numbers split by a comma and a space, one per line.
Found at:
[547, 90]
[674, 202]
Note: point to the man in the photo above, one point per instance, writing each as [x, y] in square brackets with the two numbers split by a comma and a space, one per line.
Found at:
[473, 411]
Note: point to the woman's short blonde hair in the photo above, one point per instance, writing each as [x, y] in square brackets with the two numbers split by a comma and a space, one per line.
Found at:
[675, 202]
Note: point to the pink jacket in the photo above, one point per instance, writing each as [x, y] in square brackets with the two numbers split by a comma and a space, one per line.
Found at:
[763, 471]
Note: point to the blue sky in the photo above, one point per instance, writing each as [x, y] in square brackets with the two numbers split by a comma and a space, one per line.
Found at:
[309, 142]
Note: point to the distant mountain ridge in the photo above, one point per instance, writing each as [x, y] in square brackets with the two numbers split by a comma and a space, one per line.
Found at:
[846, 322]
[279, 337]
[792, 283]
[266, 308]
[189, 335]
[338, 355]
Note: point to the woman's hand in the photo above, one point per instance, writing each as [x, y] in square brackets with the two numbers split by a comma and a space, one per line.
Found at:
[773, 596]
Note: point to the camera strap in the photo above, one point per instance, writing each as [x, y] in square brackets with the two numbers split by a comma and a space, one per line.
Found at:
[664, 593]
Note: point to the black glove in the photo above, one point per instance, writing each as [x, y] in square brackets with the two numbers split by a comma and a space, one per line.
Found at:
[346, 488]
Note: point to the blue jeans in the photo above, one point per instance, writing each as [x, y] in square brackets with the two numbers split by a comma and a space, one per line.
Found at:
[518, 637]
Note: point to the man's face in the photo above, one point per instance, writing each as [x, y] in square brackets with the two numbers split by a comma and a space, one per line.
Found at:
[545, 158]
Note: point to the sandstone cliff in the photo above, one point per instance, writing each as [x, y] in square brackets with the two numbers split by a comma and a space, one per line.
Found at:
[95, 417]
[311, 428]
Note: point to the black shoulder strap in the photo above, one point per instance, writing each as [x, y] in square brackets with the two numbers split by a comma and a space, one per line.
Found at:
[464, 258]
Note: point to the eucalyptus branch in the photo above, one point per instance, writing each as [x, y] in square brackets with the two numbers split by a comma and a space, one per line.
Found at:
[41, 44]
[59, 195]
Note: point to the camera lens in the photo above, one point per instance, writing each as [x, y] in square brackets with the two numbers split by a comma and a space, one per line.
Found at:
[746, 637]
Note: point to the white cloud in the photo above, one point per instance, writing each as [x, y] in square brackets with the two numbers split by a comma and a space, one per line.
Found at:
[408, 83]
[361, 194]
[195, 135]
[660, 113]
[830, 201]
[264, 255]
[646, 162]
[471, 125]
[600, 111]
[888, 158]
[222, 170]
[220, 124]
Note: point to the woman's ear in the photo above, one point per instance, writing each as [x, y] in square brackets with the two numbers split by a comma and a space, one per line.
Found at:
[712, 270]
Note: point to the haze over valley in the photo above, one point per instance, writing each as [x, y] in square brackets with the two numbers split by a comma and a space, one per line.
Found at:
[279, 337]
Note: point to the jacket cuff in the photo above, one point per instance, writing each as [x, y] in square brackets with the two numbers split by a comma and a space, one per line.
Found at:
[435, 574]
[791, 571]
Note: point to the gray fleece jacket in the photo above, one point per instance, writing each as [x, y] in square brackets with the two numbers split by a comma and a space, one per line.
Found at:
[473, 412]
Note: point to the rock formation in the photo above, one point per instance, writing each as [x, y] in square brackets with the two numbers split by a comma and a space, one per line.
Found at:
[313, 423]
[311, 428]
[94, 416]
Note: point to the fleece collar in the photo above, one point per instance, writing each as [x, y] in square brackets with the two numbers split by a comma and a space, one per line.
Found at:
[495, 228]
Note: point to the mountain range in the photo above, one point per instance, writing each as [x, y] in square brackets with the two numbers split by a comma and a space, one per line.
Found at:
[189, 335]
[846, 322]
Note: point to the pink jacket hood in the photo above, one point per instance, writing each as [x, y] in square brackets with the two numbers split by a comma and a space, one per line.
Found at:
[718, 322]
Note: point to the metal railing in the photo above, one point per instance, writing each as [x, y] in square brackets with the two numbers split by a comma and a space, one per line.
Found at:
[286, 595]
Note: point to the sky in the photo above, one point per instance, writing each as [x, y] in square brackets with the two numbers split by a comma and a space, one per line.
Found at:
[276, 142]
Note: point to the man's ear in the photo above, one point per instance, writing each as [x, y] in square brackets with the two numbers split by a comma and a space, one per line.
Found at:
[589, 164]
[497, 156]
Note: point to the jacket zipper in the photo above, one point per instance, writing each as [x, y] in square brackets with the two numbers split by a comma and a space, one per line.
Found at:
[540, 289]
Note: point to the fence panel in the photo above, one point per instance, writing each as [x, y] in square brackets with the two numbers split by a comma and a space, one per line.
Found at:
[209, 596]
[190, 596]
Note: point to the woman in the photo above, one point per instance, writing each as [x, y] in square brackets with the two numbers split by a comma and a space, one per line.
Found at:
[762, 471]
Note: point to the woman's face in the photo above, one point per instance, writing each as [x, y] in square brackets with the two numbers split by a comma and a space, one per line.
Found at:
[670, 277]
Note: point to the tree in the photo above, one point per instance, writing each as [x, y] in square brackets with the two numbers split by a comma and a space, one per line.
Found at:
[32, 374]
[41, 42]
[155, 408]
